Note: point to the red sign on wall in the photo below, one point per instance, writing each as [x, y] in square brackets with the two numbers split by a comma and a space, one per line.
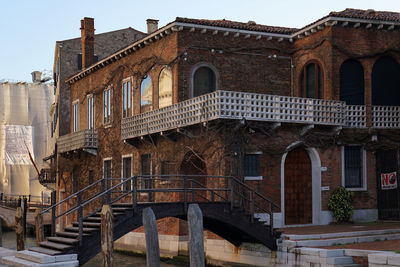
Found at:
[388, 181]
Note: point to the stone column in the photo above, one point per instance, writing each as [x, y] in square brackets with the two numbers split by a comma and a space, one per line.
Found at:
[196, 237]
[39, 229]
[151, 233]
[107, 236]
[19, 229]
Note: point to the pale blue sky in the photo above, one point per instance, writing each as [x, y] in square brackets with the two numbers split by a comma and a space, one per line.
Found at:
[29, 29]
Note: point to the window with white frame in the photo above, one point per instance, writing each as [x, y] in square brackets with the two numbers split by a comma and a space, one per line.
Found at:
[251, 166]
[354, 168]
[107, 106]
[126, 172]
[126, 98]
[75, 116]
[90, 112]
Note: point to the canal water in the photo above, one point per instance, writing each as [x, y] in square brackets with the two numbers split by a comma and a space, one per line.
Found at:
[120, 260]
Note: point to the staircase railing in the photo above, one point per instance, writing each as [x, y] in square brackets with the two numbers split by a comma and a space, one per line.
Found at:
[163, 188]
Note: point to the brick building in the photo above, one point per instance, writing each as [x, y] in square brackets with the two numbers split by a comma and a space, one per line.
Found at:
[67, 61]
[292, 112]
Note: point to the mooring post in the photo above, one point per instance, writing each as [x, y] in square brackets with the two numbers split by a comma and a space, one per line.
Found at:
[19, 229]
[107, 236]
[25, 209]
[196, 238]
[1, 234]
[39, 228]
[150, 231]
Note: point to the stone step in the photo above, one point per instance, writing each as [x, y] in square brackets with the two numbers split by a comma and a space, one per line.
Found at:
[69, 234]
[63, 240]
[14, 261]
[88, 224]
[120, 209]
[340, 234]
[35, 256]
[55, 246]
[339, 260]
[47, 251]
[350, 265]
[76, 229]
[115, 214]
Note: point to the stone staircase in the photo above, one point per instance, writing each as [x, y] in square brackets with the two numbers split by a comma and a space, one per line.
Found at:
[26, 258]
[341, 238]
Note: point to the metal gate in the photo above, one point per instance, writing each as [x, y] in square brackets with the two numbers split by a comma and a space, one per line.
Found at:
[387, 169]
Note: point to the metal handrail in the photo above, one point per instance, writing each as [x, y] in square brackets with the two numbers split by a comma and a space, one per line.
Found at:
[241, 189]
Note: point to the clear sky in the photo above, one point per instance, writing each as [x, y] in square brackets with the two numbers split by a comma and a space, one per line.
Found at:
[29, 29]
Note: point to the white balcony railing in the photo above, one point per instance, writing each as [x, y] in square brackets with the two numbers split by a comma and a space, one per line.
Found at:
[257, 107]
[77, 140]
[385, 117]
[235, 105]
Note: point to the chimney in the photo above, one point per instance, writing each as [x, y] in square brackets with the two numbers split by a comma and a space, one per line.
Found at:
[36, 76]
[152, 25]
[87, 41]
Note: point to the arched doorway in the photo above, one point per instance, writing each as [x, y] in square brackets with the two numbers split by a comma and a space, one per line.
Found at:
[352, 82]
[193, 164]
[386, 82]
[298, 188]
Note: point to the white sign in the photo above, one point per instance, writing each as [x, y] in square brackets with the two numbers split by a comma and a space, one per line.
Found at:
[388, 181]
[18, 140]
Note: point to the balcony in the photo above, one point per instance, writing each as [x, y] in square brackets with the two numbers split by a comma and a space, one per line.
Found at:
[85, 140]
[257, 107]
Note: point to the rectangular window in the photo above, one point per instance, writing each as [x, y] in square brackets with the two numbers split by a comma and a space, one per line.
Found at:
[75, 116]
[145, 170]
[90, 112]
[126, 98]
[251, 166]
[107, 171]
[107, 106]
[354, 176]
[126, 172]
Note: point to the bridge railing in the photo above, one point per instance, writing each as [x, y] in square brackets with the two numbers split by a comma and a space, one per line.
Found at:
[163, 188]
[15, 200]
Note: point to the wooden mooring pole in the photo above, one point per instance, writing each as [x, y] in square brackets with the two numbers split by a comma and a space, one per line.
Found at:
[107, 235]
[39, 228]
[196, 237]
[19, 229]
[151, 233]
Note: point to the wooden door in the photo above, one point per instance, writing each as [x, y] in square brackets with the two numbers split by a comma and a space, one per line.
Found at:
[388, 162]
[298, 187]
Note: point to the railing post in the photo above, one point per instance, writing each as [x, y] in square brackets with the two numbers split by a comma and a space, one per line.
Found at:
[271, 218]
[134, 194]
[185, 193]
[212, 195]
[252, 206]
[53, 213]
[192, 189]
[231, 194]
[80, 218]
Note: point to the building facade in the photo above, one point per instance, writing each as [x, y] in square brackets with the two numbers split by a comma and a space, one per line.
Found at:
[294, 113]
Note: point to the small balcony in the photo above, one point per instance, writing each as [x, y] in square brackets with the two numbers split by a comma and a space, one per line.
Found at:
[85, 140]
[257, 107]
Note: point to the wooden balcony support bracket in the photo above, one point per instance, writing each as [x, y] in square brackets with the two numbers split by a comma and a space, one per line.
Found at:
[305, 129]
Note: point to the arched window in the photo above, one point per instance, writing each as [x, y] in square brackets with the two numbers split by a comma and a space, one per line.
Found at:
[386, 82]
[204, 81]
[165, 88]
[352, 82]
[311, 84]
[146, 94]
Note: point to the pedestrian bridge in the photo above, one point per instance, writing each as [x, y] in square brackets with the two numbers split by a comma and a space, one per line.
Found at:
[228, 206]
